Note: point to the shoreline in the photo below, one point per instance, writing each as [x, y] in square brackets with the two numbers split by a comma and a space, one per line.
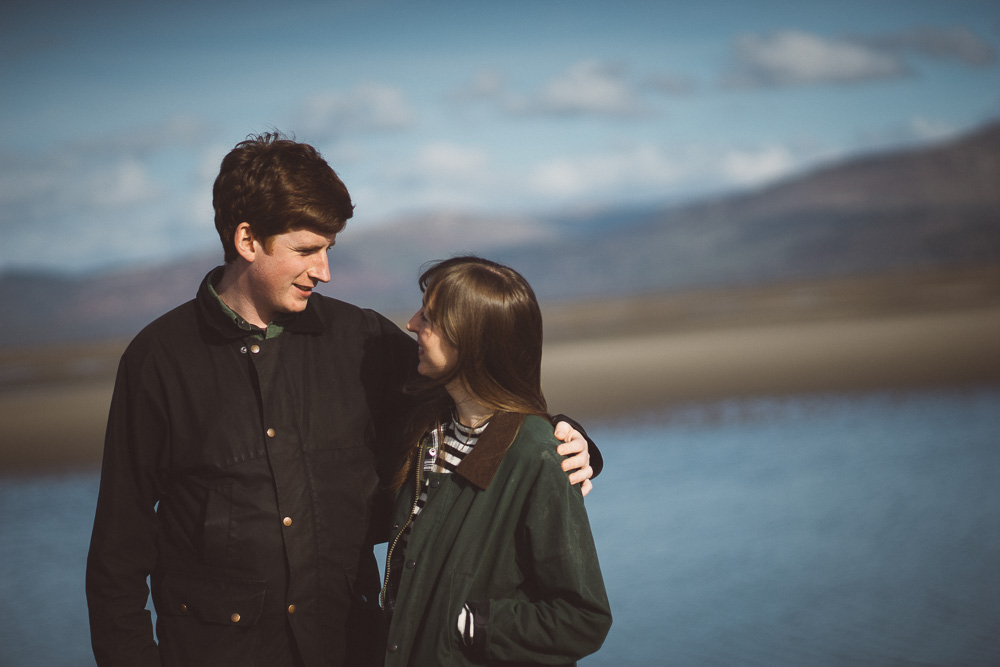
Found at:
[59, 424]
[610, 379]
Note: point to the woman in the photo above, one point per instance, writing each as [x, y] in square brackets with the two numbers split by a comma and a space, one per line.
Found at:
[490, 558]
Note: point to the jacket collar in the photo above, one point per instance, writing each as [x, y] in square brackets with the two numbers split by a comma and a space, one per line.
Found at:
[308, 321]
[480, 464]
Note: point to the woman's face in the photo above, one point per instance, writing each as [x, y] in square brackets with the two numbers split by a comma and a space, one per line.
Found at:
[436, 355]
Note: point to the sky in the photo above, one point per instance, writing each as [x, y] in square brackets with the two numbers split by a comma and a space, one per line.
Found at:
[115, 115]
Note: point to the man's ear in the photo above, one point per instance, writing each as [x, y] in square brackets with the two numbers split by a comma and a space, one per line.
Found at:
[246, 245]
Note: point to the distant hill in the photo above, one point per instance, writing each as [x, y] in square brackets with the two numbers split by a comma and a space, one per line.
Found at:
[928, 208]
[935, 207]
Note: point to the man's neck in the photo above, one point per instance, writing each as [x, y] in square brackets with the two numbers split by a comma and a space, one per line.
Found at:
[235, 293]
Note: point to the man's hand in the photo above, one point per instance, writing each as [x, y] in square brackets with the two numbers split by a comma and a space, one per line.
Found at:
[574, 447]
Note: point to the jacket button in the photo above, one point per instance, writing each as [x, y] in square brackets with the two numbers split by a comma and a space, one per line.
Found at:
[235, 618]
[291, 609]
[255, 348]
[184, 608]
[410, 564]
[270, 432]
[287, 521]
[243, 350]
[392, 648]
[395, 526]
[435, 483]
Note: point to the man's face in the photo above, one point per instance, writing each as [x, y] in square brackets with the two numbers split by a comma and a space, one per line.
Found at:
[286, 269]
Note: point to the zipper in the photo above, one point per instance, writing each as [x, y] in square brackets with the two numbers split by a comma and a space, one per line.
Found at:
[416, 499]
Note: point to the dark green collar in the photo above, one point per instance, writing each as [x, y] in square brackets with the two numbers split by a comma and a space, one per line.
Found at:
[273, 329]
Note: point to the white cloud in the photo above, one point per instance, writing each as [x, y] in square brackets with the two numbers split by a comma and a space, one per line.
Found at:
[651, 172]
[73, 208]
[209, 161]
[441, 160]
[794, 57]
[196, 209]
[637, 167]
[23, 183]
[484, 85]
[589, 87]
[913, 131]
[106, 198]
[124, 184]
[172, 132]
[368, 107]
[959, 44]
[926, 129]
[68, 184]
[670, 84]
[438, 174]
[753, 167]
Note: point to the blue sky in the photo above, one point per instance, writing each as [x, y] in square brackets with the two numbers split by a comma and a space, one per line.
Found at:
[115, 115]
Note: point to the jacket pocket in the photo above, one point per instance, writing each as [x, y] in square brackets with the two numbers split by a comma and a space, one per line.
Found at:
[452, 650]
[232, 602]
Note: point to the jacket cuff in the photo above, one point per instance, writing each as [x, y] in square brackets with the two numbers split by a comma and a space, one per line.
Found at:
[596, 460]
[480, 610]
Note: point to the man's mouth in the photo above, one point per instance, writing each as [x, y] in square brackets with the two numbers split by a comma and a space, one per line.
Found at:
[308, 290]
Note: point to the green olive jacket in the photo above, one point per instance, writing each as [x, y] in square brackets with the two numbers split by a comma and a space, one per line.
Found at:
[508, 534]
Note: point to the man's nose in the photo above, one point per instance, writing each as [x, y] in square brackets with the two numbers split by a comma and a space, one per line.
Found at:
[321, 270]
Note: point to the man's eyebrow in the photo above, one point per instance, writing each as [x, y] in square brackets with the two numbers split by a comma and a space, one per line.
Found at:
[308, 247]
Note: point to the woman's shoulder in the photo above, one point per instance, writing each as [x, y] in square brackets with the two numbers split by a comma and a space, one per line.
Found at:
[535, 438]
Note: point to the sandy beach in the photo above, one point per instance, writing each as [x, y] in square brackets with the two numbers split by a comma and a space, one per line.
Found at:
[606, 378]
[612, 359]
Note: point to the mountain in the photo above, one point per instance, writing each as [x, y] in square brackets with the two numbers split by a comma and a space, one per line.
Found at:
[935, 207]
[929, 208]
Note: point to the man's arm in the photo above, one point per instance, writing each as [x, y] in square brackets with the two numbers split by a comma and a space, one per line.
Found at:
[583, 459]
[123, 543]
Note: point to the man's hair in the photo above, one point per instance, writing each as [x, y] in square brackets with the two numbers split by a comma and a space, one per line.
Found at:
[277, 185]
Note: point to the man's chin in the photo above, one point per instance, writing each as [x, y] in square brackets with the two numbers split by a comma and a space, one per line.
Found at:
[297, 306]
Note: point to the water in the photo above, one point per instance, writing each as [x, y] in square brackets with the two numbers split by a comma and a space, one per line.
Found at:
[835, 530]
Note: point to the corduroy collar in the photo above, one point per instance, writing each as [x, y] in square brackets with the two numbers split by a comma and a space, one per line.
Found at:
[479, 465]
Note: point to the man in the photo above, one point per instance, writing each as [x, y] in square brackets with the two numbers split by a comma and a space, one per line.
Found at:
[245, 438]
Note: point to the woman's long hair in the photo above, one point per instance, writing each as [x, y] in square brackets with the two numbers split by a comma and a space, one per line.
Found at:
[489, 314]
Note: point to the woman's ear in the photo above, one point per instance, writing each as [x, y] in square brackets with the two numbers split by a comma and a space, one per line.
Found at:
[243, 239]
